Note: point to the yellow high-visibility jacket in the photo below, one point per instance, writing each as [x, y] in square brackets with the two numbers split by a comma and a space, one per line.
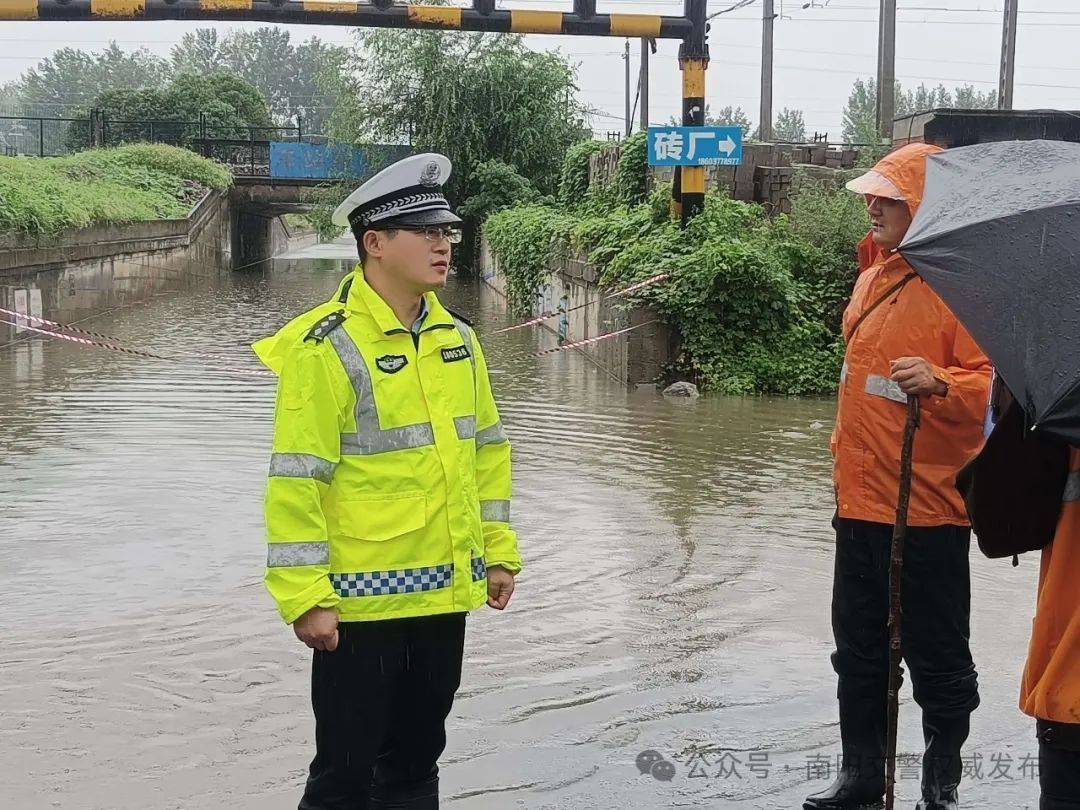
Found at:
[389, 488]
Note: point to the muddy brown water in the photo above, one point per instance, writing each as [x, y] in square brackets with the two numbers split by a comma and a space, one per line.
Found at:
[675, 598]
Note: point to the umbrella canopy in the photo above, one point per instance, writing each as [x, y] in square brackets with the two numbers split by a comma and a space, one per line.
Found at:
[997, 237]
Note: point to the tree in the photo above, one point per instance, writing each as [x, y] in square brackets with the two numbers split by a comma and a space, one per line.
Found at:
[224, 99]
[473, 97]
[197, 52]
[498, 186]
[968, 98]
[228, 105]
[314, 59]
[923, 98]
[67, 82]
[9, 97]
[286, 74]
[729, 117]
[860, 115]
[790, 126]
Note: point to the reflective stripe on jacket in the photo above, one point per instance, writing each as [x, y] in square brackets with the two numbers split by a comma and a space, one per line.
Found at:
[389, 487]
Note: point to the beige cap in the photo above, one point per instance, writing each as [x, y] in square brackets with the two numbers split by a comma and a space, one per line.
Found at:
[876, 185]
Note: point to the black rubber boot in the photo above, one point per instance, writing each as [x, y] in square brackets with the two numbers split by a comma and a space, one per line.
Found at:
[861, 782]
[419, 796]
[942, 765]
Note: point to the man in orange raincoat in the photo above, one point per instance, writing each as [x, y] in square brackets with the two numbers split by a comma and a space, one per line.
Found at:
[1051, 687]
[901, 340]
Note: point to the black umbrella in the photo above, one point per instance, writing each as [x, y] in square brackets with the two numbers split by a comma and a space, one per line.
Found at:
[997, 236]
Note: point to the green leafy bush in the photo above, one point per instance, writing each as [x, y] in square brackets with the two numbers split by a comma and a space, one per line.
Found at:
[632, 177]
[574, 183]
[756, 300]
[832, 221]
[525, 239]
[326, 198]
[496, 185]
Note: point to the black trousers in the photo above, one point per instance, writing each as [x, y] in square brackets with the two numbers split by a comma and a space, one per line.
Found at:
[1059, 765]
[381, 700]
[935, 626]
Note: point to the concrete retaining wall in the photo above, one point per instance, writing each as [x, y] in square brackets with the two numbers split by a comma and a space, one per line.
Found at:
[206, 232]
[83, 272]
[636, 358]
[86, 271]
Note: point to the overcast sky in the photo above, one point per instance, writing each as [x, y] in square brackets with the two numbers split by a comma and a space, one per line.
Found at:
[819, 52]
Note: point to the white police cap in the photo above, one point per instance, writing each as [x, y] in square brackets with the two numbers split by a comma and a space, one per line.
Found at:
[407, 193]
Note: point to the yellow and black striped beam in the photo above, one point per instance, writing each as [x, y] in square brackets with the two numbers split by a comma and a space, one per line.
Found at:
[380, 14]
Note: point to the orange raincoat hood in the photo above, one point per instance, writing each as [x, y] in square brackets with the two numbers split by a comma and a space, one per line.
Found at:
[906, 169]
[911, 322]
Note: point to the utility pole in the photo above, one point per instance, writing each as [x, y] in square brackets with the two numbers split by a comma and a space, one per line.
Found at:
[1008, 56]
[767, 71]
[886, 76]
[629, 114]
[646, 44]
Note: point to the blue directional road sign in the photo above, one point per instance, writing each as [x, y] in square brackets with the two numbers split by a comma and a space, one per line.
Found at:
[695, 146]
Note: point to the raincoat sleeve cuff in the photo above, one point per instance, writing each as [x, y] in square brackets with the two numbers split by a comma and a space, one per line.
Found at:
[512, 567]
[943, 374]
[935, 402]
[951, 406]
[321, 594]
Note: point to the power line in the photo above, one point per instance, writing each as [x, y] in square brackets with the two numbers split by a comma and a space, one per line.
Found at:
[740, 4]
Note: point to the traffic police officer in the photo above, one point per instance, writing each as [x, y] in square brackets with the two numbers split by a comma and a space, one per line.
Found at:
[388, 502]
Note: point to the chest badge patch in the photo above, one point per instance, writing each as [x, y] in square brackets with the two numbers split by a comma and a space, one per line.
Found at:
[455, 354]
[392, 363]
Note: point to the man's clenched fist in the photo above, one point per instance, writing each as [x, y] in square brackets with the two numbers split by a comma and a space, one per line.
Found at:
[318, 629]
[500, 585]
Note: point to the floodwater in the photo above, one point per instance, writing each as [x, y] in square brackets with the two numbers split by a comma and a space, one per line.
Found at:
[675, 597]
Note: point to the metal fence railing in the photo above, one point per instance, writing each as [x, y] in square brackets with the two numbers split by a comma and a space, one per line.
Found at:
[42, 136]
[245, 149]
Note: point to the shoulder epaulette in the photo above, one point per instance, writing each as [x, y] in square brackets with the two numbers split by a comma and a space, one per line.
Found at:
[324, 327]
[461, 318]
[345, 291]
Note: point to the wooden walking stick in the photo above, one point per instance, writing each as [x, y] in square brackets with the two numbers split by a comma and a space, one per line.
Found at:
[896, 567]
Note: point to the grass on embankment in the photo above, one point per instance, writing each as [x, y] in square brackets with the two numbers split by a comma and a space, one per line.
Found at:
[126, 184]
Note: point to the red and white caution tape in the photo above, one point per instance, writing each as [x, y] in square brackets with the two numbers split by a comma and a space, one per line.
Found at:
[113, 347]
[86, 341]
[547, 316]
[640, 284]
[588, 341]
[66, 327]
[55, 328]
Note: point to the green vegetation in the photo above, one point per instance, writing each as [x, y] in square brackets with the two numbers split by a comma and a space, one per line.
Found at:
[326, 197]
[757, 300]
[228, 104]
[860, 114]
[285, 72]
[298, 222]
[496, 186]
[574, 181]
[127, 184]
